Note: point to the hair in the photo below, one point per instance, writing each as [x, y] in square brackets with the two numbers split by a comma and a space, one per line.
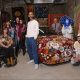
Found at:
[22, 20]
[16, 18]
[5, 24]
[5, 28]
[33, 14]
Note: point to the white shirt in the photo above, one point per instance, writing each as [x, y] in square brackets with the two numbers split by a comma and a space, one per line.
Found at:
[67, 32]
[32, 29]
[77, 47]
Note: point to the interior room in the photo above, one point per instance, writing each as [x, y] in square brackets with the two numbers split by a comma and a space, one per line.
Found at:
[39, 39]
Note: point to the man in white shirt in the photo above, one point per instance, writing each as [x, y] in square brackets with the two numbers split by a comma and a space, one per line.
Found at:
[32, 34]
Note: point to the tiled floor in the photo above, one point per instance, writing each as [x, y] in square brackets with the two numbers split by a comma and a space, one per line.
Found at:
[24, 71]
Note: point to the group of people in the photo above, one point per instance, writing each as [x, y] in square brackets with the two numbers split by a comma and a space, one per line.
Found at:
[20, 36]
[67, 31]
[12, 36]
[59, 29]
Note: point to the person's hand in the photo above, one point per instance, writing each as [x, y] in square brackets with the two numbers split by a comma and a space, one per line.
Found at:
[6, 46]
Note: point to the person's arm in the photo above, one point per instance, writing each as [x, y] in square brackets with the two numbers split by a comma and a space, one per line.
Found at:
[52, 26]
[24, 29]
[36, 30]
[2, 44]
[75, 45]
[10, 42]
[60, 27]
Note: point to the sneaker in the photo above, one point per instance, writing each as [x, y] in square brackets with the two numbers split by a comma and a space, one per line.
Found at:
[36, 66]
[31, 61]
[76, 64]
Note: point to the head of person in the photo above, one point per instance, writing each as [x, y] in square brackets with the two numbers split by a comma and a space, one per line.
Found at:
[8, 24]
[5, 31]
[31, 15]
[55, 20]
[78, 37]
[17, 20]
[21, 21]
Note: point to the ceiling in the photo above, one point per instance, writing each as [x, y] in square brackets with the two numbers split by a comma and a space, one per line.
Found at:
[4, 3]
[33, 1]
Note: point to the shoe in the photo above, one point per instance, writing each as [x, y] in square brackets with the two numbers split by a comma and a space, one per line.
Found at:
[31, 61]
[76, 64]
[36, 66]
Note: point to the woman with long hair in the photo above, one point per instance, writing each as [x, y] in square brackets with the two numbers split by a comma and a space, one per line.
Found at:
[21, 35]
[6, 43]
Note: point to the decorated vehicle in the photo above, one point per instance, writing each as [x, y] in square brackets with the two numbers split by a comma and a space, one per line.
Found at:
[54, 49]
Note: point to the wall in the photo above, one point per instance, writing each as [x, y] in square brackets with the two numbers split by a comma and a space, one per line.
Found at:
[77, 2]
[57, 9]
[70, 7]
[8, 7]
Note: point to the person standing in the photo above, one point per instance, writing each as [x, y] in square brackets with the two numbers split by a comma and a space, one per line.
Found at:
[17, 24]
[31, 36]
[21, 34]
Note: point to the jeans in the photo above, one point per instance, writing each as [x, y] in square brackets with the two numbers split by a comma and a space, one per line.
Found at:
[32, 49]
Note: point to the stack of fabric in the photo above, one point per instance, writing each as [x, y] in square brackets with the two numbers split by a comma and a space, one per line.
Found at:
[54, 49]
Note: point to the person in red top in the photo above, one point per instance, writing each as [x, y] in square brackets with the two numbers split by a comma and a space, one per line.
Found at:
[21, 35]
[17, 24]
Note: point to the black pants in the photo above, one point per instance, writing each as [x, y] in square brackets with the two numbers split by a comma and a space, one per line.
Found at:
[21, 45]
[2, 55]
[8, 52]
